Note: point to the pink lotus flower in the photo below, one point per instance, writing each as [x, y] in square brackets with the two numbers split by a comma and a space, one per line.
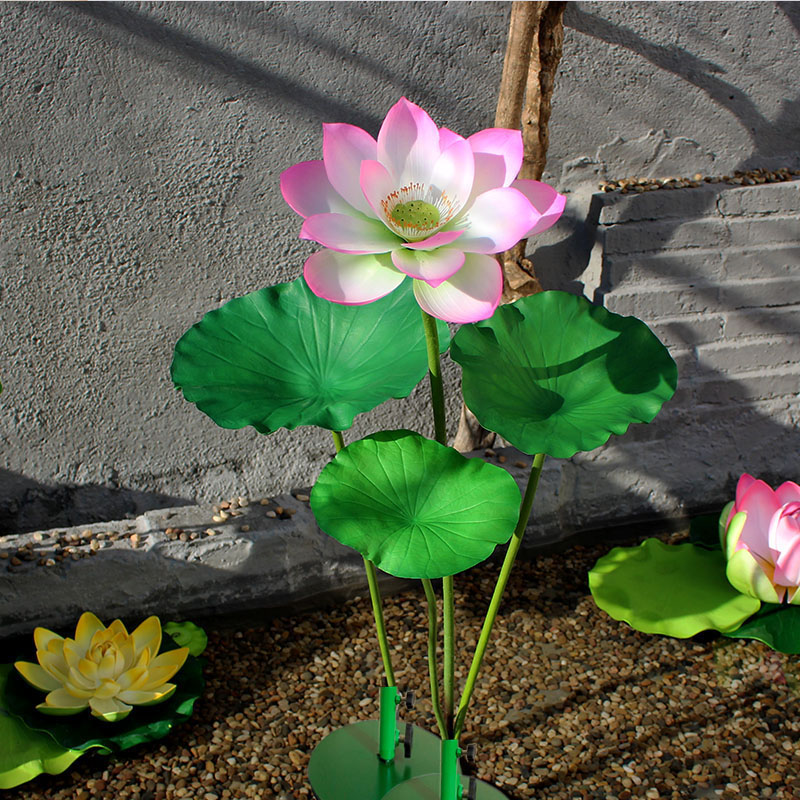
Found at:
[760, 534]
[420, 201]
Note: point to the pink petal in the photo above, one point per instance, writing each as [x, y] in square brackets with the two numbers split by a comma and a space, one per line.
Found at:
[344, 147]
[351, 280]
[453, 175]
[448, 137]
[760, 503]
[744, 483]
[784, 541]
[349, 234]
[468, 296]
[498, 158]
[408, 143]
[306, 188]
[376, 186]
[437, 240]
[432, 266]
[549, 204]
[496, 221]
[788, 492]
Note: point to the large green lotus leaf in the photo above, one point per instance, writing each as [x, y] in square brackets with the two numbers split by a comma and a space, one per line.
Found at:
[776, 625]
[675, 590]
[554, 374]
[83, 731]
[283, 357]
[414, 507]
[25, 753]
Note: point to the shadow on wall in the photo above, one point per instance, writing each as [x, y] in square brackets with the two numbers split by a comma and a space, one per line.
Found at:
[36, 506]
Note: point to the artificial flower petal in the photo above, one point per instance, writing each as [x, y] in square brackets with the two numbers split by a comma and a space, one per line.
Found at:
[408, 143]
[147, 636]
[472, 294]
[431, 266]
[760, 503]
[140, 698]
[344, 147]
[746, 575]
[453, 175]
[351, 280]
[788, 492]
[171, 660]
[88, 625]
[440, 239]
[63, 698]
[109, 709]
[377, 186]
[347, 234]
[498, 158]
[448, 137]
[496, 221]
[784, 539]
[306, 188]
[547, 202]
[44, 639]
[35, 675]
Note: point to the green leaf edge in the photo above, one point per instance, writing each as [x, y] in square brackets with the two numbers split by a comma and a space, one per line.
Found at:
[653, 548]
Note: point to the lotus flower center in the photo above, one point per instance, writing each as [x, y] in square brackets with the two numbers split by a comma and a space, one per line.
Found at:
[416, 214]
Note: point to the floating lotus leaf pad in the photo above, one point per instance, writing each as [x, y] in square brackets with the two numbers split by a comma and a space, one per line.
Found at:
[676, 590]
[777, 626]
[282, 357]
[414, 507]
[25, 753]
[82, 732]
[187, 634]
[554, 374]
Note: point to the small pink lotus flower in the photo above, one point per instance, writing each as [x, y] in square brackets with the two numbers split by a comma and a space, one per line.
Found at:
[760, 534]
[420, 201]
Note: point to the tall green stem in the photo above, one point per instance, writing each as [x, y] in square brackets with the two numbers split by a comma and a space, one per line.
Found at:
[375, 597]
[448, 605]
[433, 664]
[448, 610]
[499, 589]
[435, 374]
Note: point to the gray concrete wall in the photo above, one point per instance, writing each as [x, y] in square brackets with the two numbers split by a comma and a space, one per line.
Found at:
[139, 162]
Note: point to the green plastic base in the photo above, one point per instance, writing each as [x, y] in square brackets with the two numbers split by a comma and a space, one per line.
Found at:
[345, 764]
[427, 787]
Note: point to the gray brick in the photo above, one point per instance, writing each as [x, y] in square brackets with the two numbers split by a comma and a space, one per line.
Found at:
[764, 230]
[748, 355]
[674, 266]
[759, 322]
[766, 385]
[768, 198]
[651, 303]
[760, 292]
[659, 205]
[690, 330]
[761, 262]
[635, 237]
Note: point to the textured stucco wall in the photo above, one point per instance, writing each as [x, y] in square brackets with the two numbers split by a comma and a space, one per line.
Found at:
[139, 163]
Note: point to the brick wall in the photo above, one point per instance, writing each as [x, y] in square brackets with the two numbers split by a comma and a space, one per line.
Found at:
[715, 273]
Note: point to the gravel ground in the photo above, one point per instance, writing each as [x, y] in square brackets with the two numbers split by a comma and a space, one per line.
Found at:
[571, 704]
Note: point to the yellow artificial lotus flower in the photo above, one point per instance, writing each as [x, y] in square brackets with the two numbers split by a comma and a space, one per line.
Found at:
[105, 669]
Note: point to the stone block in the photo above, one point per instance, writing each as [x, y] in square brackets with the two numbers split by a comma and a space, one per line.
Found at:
[763, 231]
[732, 358]
[776, 261]
[768, 198]
[763, 322]
[650, 303]
[675, 267]
[749, 388]
[659, 204]
[689, 330]
[642, 237]
[760, 293]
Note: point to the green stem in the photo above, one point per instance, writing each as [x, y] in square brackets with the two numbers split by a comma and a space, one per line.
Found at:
[433, 664]
[375, 596]
[497, 595]
[440, 428]
[435, 373]
[448, 609]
